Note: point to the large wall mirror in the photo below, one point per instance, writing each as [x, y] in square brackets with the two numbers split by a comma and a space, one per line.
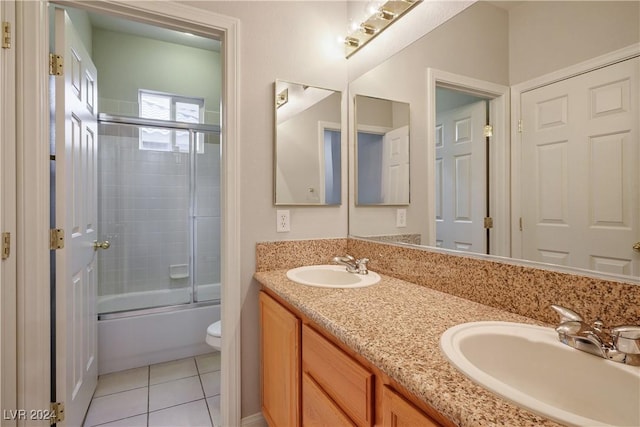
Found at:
[524, 114]
[307, 161]
[382, 151]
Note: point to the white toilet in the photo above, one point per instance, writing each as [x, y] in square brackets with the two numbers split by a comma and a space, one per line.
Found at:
[213, 335]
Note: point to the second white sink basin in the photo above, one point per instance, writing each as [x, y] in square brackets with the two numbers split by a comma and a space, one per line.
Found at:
[527, 365]
[331, 276]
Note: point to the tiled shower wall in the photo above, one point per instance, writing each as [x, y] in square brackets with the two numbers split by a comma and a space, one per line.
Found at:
[143, 202]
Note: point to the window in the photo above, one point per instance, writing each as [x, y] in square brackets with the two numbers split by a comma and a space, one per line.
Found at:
[163, 106]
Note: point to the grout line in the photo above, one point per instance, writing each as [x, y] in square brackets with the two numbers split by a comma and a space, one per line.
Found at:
[149, 385]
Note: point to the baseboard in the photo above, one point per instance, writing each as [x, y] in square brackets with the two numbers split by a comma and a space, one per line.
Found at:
[255, 420]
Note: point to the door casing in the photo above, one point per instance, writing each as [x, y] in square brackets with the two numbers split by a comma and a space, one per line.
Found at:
[499, 158]
[32, 93]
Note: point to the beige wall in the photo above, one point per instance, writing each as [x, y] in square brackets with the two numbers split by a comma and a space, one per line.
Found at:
[292, 41]
[545, 36]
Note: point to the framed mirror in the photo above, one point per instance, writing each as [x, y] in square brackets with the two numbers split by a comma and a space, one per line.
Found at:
[545, 197]
[382, 151]
[308, 135]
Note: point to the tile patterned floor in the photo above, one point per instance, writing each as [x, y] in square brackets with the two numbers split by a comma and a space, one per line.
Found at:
[183, 392]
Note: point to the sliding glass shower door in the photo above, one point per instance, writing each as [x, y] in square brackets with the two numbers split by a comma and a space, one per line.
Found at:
[159, 207]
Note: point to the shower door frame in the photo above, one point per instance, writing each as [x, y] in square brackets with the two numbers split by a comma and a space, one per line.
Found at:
[33, 123]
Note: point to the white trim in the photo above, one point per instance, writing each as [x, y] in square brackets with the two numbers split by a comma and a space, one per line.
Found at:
[8, 331]
[499, 154]
[32, 252]
[33, 186]
[516, 113]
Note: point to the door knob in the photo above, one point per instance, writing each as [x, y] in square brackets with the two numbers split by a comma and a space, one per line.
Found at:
[101, 245]
[636, 247]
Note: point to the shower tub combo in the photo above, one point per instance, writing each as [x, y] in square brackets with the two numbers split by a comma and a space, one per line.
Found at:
[159, 282]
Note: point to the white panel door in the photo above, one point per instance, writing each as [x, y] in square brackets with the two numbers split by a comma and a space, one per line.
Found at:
[76, 212]
[461, 178]
[395, 166]
[580, 181]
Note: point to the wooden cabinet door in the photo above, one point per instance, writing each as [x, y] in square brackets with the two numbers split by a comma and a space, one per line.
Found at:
[280, 363]
[397, 412]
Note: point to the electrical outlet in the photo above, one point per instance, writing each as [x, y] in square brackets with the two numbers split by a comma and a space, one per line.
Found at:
[401, 217]
[282, 221]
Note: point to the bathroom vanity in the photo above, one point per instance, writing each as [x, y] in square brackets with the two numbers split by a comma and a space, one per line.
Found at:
[328, 384]
[371, 356]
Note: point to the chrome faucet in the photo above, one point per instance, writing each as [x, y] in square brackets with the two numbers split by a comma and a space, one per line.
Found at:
[353, 265]
[619, 344]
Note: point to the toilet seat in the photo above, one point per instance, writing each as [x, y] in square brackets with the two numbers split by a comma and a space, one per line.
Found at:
[214, 335]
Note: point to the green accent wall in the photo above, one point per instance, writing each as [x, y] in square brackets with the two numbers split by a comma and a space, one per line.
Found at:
[127, 63]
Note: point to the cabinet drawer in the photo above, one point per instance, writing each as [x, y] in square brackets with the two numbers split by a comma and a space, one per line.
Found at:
[342, 378]
[317, 408]
[398, 412]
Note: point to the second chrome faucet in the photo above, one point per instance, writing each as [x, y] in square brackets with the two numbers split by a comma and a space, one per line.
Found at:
[619, 344]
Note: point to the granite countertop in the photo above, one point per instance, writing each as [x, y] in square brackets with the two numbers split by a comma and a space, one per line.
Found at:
[397, 325]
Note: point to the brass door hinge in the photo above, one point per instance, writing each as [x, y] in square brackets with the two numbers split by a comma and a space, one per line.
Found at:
[56, 239]
[57, 413]
[56, 65]
[487, 131]
[6, 245]
[488, 222]
[520, 223]
[6, 35]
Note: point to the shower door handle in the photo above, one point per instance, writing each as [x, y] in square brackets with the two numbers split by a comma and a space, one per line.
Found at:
[101, 245]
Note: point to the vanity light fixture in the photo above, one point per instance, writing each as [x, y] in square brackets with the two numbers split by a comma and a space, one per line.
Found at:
[379, 19]
[351, 42]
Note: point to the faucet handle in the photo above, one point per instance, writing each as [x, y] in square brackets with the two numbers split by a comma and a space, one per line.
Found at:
[566, 314]
[362, 265]
[626, 338]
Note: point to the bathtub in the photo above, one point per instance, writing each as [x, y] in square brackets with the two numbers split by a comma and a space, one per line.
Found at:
[140, 340]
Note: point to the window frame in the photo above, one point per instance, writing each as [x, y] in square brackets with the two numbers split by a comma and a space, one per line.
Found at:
[174, 99]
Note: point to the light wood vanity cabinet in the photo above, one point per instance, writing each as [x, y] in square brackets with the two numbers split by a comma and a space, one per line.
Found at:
[309, 379]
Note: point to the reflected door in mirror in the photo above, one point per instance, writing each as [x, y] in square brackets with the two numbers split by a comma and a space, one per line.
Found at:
[461, 178]
[580, 179]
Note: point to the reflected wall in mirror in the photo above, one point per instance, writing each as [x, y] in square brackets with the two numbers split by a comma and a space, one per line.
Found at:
[307, 160]
[382, 151]
[516, 45]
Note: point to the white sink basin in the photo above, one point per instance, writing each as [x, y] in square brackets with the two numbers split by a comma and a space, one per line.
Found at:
[331, 276]
[527, 365]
